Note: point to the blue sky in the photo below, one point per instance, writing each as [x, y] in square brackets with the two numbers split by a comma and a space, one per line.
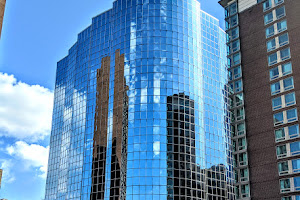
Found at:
[36, 34]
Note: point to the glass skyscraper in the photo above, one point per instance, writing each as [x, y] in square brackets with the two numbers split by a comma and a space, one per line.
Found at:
[141, 107]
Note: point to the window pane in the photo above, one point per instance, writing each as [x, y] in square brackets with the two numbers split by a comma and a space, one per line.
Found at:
[239, 99]
[288, 83]
[296, 165]
[291, 115]
[293, 131]
[281, 150]
[267, 5]
[295, 148]
[286, 68]
[233, 8]
[290, 99]
[275, 88]
[280, 12]
[279, 134]
[276, 103]
[237, 72]
[273, 59]
[278, 118]
[268, 18]
[235, 46]
[241, 128]
[238, 86]
[270, 31]
[285, 54]
[297, 183]
[274, 73]
[281, 26]
[234, 20]
[283, 39]
[285, 185]
[235, 33]
[283, 167]
[271, 45]
[236, 59]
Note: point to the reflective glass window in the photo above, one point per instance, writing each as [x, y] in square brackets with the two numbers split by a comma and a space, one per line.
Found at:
[233, 8]
[290, 99]
[297, 197]
[271, 45]
[285, 185]
[288, 83]
[236, 59]
[272, 59]
[278, 118]
[239, 99]
[285, 54]
[280, 12]
[237, 72]
[281, 26]
[293, 131]
[245, 190]
[283, 39]
[240, 114]
[242, 143]
[275, 88]
[235, 46]
[270, 31]
[276, 103]
[234, 33]
[238, 85]
[286, 69]
[274, 73]
[291, 115]
[244, 174]
[268, 18]
[267, 5]
[297, 183]
[296, 165]
[295, 148]
[281, 151]
[241, 128]
[283, 167]
[279, 134]
[234, 20]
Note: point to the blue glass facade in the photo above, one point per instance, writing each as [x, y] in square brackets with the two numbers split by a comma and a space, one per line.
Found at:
[141, 107]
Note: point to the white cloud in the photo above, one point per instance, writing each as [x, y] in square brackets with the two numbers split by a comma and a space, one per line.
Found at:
[33, 156]
[25, 110]
[7, 176]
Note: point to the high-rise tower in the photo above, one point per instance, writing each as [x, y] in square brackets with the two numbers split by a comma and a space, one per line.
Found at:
[141, 107]
[263, 55]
